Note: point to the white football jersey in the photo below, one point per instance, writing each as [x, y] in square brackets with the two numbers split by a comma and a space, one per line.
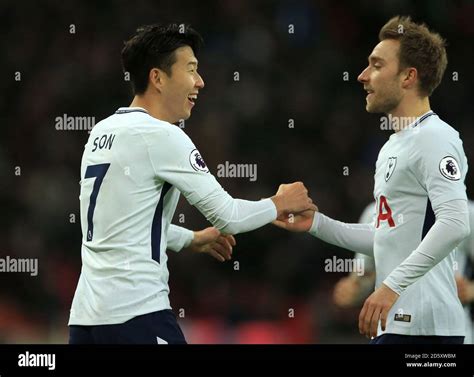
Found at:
[464, 267]
[418, 169]
[132, 172]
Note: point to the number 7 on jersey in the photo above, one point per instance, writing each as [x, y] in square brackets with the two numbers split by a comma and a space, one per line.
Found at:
[98, 172]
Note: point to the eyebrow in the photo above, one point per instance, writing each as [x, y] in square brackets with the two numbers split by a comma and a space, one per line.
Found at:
[194, 62]
[375, 58]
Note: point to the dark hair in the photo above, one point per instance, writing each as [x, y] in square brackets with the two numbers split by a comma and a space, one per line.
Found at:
[419, 48]
[154, 46]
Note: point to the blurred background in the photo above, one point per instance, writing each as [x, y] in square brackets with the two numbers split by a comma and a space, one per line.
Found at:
[297, 111]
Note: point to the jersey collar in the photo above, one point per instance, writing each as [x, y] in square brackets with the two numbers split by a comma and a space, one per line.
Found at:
[422, 118]
[126, 110]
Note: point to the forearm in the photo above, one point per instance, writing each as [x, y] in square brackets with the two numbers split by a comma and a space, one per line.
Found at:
[179, 237]
[450, 228]
[233, 216]
[354, 237]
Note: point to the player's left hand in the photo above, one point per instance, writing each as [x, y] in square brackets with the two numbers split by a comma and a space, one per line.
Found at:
[212, 242]
[376, 308]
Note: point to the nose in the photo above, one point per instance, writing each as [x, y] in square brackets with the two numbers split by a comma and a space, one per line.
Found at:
[363, 77]
[199, 82]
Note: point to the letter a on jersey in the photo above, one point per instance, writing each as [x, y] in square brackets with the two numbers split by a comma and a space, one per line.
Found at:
[384, 212]
[391, 163]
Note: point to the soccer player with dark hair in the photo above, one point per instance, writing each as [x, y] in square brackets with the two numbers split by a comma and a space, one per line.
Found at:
[134, 167]
[421, 202]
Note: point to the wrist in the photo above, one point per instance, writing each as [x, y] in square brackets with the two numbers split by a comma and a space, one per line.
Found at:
[390, 286]
[315, 225]
[189, 237]
[278, 202]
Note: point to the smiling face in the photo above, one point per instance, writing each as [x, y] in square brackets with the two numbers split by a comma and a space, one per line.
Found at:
[382, 79]
[180, 89]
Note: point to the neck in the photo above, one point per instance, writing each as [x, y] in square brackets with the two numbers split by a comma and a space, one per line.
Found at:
[152, 105]
[409, 109]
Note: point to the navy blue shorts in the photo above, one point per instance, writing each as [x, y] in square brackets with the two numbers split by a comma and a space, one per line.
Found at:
[410, 339]
[153, 328]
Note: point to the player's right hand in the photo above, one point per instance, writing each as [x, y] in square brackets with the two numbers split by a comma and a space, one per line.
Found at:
[292, 198]
[300, 222]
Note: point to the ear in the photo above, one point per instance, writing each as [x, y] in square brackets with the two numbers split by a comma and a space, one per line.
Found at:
[409, 78]
[156, 79]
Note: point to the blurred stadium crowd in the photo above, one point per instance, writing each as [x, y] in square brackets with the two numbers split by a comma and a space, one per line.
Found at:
[291, 112]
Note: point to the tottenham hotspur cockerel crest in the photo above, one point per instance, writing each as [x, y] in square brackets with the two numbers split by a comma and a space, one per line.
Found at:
[391, 163]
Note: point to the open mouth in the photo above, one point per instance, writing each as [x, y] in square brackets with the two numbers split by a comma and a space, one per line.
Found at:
[192, 98]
